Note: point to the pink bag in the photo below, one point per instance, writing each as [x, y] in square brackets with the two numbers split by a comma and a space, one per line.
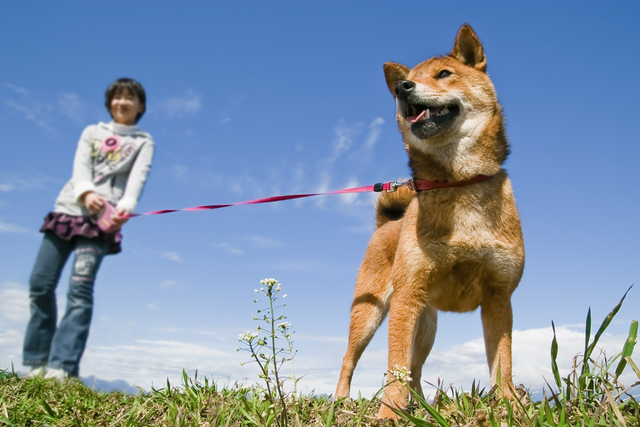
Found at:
[104, 221]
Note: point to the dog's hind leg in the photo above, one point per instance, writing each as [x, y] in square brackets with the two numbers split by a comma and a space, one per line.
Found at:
[422, 345]
[369, 308]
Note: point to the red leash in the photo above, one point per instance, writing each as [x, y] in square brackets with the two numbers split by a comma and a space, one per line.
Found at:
[387, 186]
[415, 185]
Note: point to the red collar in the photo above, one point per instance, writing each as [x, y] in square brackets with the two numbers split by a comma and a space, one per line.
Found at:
[423, 185]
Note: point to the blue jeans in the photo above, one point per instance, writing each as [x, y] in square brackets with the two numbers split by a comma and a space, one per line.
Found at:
[61, 347]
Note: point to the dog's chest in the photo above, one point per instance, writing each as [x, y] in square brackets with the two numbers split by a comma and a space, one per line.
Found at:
[458, 253]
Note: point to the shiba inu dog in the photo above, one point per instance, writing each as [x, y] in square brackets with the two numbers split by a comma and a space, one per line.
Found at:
[452, 241]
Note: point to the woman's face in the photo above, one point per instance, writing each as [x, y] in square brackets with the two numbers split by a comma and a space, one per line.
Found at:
[125, 107]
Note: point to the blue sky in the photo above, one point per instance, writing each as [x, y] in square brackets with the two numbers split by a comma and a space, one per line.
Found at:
[252, 99]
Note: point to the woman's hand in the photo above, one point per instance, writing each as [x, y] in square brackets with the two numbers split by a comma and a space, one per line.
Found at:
[93, 202]
[120, 217]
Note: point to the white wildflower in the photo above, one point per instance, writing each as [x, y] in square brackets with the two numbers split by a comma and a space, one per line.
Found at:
[247, 336]
[284, 325]
[401, 374]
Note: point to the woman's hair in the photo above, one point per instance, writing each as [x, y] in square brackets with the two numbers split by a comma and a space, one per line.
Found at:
[129, 85]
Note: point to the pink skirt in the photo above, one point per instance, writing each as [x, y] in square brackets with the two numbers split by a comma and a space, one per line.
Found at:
[68, 226]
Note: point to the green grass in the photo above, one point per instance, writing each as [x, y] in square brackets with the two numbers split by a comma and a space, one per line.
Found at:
[589, 396]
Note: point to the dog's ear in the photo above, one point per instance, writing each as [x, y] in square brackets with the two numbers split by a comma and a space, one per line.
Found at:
[394, 73]
[468, 49]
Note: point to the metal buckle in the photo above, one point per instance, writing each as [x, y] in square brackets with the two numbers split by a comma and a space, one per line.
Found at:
[412, 185]
[394, 185]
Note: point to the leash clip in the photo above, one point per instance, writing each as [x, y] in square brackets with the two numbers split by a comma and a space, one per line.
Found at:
[394, 185]
[389, 187]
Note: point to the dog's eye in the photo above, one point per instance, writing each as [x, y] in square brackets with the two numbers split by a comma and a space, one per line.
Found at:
[443, 73]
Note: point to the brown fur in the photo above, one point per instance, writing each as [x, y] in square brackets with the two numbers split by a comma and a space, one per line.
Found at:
[450, 249]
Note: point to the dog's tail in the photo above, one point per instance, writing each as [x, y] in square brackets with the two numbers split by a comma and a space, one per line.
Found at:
[392, 206]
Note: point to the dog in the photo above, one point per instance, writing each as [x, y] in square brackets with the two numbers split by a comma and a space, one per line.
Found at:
[451, 242]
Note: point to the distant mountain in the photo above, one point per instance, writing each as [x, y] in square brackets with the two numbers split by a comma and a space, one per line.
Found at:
[107, 386]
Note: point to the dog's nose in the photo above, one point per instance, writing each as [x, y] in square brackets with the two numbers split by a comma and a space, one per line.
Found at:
[404, 88]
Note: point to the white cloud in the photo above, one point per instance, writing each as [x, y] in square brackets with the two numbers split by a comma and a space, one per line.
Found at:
[169, 283]
[14, 302]
[11, 348]
[349, 199]
[461, 364]
[72, 106]
[180, 172]
[147, 362]
[5, 227]
[264, 242]
[363, 154]
[153, 306]
[228, 248]
[303, 265]
[30, 107]
[10, 339]
[374, 133]
[344, 138]
[173, 256]
[21, 181]
[178, 107]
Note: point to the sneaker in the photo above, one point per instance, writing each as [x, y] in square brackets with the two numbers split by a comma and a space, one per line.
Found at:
[36, 371]
[57, 374]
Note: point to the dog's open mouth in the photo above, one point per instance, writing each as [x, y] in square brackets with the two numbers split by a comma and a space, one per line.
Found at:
[415, 112]
[429, 120]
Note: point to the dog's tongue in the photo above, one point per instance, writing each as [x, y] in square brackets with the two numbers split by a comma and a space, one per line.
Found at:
[414, 119]
[431, 111]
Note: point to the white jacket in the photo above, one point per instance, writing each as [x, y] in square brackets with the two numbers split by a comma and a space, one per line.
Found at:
[112, 160]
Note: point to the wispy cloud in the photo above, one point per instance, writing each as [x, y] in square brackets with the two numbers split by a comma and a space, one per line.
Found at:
[21, 181]
[180, 106]
[43, 109]
[171, 283]
[173, 256]
[344, 136]
[153, 306]
[301, 265]
[264, 242]
[365, 151]
[72, 106]
[6, 227]
[228, 248]
[14, 302]
[374, 132]
[348, 143]
[180, 172]
[147, 362]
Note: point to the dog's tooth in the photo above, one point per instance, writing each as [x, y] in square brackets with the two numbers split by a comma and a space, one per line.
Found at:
[445, 110]
[428, 113]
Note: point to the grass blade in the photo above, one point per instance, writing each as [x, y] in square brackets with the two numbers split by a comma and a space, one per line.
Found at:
[614, 406]
[330, 418]
[604, 325]
[554, 357]
[587, 337]
[633, 366]
[423, 403]
[627, 350]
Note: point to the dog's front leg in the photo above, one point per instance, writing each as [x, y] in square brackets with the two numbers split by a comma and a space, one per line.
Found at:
[422, 344]
[405, 312]
[497, 321]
